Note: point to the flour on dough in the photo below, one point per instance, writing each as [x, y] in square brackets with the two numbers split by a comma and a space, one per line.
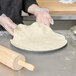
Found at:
[37, 37]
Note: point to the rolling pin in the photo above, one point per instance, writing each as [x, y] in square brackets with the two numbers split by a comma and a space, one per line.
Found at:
[13, 59]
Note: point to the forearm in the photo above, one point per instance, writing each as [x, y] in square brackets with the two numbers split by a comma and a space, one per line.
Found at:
[7, 23]
[33, 8]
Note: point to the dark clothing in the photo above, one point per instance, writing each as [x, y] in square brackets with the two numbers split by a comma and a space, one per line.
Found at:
[13, 8]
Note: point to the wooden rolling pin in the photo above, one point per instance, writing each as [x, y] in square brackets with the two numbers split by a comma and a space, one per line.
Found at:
[13, 59]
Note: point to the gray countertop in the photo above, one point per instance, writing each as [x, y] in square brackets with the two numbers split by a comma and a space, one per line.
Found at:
[56, 63]
[55, 17]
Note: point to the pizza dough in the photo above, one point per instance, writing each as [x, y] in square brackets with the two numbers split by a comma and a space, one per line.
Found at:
[37, 37]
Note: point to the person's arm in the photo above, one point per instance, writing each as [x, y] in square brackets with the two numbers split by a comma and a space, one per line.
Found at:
[27, 4]
[42, 16]
[7, 23]
[33, 8]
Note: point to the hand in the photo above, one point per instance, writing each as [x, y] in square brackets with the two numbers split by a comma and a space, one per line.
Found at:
[43, 16]
[8, 24]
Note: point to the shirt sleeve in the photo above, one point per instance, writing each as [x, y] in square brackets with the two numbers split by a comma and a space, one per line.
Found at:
[27, 3]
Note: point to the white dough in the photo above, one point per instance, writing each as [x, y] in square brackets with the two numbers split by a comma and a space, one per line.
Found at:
[37, 37]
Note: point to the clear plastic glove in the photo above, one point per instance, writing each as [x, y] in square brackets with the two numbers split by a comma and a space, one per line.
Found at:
[43, 16]
[7, 23]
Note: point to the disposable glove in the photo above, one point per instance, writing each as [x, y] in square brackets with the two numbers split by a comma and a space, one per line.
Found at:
[7, 23]
[43, 16]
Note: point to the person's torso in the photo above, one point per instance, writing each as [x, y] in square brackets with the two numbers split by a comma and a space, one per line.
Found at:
[12, 9]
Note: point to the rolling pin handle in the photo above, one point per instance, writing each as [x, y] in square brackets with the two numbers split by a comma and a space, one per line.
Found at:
[26, 65]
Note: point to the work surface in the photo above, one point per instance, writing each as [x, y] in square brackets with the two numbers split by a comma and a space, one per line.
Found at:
[57, 63]
[57, 7]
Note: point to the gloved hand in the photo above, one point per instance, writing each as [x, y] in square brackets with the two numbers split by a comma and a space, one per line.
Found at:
[43, 16]
[7, 23]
